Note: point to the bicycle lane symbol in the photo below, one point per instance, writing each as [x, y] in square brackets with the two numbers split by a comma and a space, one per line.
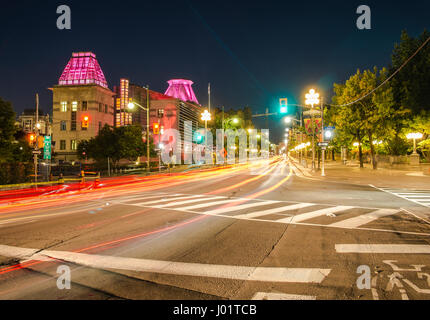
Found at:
[397, 280]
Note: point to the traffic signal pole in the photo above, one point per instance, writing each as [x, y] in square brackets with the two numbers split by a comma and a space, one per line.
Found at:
[147, 130]
[323, 139]
[36, 147]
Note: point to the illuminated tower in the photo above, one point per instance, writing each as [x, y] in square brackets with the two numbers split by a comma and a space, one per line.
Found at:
[82, 104]
[181, 89]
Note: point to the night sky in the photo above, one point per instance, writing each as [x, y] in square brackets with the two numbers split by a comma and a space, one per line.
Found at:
[252, 52]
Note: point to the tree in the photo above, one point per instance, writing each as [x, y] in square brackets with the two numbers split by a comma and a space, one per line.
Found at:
[7, 130]
[129, 142]
[369, 117]
[411, 86]
[116, 144]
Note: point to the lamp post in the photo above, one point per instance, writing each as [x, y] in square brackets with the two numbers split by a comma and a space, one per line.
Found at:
[415, 136]
[312, 98]
[131, 107]
[415, 157]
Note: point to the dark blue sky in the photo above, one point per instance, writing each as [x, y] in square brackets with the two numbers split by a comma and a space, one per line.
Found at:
[252, 52]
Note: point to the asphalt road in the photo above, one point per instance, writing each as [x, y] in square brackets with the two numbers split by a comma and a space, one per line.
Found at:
[254, 231]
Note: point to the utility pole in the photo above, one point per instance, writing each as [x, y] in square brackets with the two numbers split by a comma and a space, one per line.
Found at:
[147, 130]
[36, 148]
[209, 97]
[223, 118]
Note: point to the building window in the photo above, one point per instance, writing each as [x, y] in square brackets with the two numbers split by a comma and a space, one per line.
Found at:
[63, 126]
[100, 126]
[106, 108]
[100, 107]
[160, 113]
[63, 106]
[73, 144]
[75, 106]
[73, 122]
[62, 144]
[84, 106]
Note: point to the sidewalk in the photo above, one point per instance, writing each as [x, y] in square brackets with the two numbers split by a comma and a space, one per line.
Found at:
[335, 171]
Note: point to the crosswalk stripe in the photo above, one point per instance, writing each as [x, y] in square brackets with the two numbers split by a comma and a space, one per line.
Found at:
[314, 214]
[166, 200]
[280, 296]
[364, 218]
[383, 248]
[188, 201]
[207, 204]
[241, 207]
[416, 196]
[139, 197]
[266, 274]
[275, 210]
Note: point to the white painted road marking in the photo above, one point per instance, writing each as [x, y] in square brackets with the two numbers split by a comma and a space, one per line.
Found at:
[241, 207]
[280, 296]
[257, 213]
[418, 196]
[177, 203]
[364, 218]
[383, 248]
[314, 214]
[275, 210]
[268, 274]
[207, 204]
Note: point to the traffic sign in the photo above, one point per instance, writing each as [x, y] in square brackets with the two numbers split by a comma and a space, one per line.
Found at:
[323, 144]
[37, 152]
[330, 128]
[47, 148]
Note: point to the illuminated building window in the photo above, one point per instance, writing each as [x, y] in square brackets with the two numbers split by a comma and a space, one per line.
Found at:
[63, 106]
[63, 125]
[84, 106]
[62, 144]
[73, 144]
[74, 106]
[160, 113]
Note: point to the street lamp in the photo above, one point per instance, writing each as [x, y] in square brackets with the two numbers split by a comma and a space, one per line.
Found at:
[206, 116]
[131, 106]
[415, 137]
[312, 98]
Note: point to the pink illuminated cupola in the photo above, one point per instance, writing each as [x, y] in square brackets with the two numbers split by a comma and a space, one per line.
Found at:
[181, 89]
[83, 68]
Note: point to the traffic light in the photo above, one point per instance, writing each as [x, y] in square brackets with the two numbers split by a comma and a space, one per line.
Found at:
[31, 138]
[85, 122]
[156, 128]
[283, 104]
[198, 137]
